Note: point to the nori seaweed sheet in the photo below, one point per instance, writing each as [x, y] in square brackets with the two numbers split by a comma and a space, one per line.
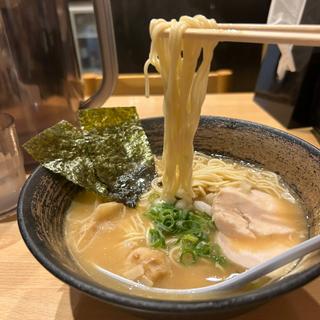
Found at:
[110, 155]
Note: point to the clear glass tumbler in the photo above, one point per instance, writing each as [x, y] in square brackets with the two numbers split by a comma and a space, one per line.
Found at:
[12, 174]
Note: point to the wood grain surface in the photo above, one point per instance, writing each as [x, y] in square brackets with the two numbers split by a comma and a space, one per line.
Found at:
[29, 292]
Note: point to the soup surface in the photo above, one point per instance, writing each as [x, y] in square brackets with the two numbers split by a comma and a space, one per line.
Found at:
[250, 226]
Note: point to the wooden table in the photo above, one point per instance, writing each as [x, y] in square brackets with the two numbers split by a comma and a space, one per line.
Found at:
[28, 291]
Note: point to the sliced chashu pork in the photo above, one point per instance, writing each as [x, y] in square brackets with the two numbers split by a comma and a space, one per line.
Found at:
[247, 254]
[244, 221]
[249, 214]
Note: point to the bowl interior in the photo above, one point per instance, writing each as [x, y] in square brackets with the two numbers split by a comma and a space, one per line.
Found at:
[46, 197]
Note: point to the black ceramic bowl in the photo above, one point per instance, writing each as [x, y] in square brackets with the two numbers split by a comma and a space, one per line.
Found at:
[45, 198]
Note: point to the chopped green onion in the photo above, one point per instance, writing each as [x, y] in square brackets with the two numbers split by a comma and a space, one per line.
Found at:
[203, 249]
[191, 229]
[156, 239]
[189, 238]
[217, 255]
[188, 257]
[168, 223]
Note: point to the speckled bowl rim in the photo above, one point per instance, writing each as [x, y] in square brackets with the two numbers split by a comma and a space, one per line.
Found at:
[166, 306]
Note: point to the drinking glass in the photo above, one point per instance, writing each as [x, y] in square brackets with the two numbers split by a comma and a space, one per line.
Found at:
[12, 174]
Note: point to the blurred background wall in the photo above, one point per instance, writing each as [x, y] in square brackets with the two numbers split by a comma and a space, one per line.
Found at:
[131, 21]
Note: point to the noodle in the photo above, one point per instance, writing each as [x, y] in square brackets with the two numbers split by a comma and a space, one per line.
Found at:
[185, 86]
[172, 256]
[211, 174]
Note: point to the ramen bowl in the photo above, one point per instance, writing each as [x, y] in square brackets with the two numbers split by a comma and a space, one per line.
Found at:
[46, 196]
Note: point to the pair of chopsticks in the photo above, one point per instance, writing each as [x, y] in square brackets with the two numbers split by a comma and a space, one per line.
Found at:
[303, 35]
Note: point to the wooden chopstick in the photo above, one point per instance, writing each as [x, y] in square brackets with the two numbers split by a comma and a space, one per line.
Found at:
[271, 27]
[252, 36]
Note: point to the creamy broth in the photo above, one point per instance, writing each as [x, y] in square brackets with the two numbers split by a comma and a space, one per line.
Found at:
[104, 251]
[105, 243]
